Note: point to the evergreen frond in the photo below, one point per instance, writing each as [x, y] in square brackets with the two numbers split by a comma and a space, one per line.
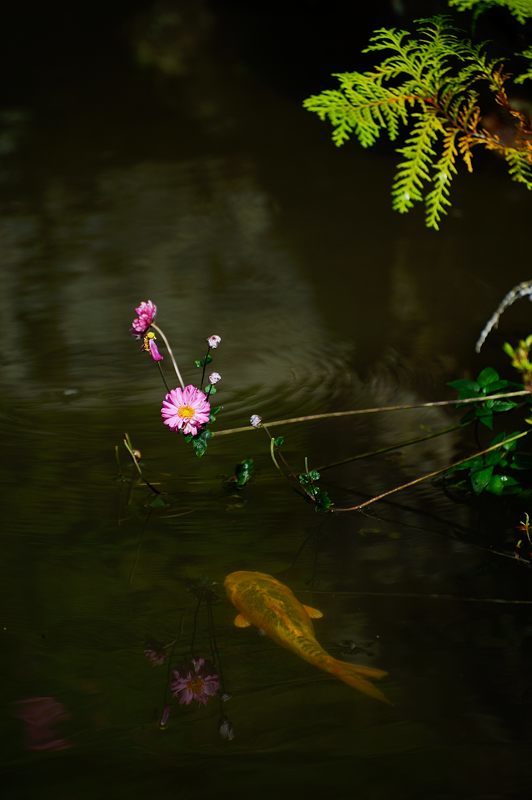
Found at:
[521, 9]
[520, 166]
[437, 199]
[426, 84]
[414, 170]
[526, 76]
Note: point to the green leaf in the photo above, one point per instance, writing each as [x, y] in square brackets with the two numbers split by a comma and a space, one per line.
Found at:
[495, 457]
[485, 419]
[499, 386]
[502, 483]
[158, 502]
[502, 436]
[522, 461]
[465, 388]
[487, 376]
[202, 362]
[199, 442]
[323, 501]
[278, 441]
[480, 479]
[503, 405]
[244, 472]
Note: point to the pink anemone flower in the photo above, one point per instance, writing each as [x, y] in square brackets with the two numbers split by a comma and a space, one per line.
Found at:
[146, 314]
[186, 409]
[195, 682]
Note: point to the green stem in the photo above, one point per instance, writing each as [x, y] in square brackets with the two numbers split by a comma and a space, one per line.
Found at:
[162, 376]
[272, 448]
[194, 626]
[205, 366]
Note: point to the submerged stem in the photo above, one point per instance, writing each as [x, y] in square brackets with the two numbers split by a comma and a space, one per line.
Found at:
[167, 344]
[389, 449]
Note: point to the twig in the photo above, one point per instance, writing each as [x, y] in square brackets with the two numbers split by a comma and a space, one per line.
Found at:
[165, 340]
[129, 448]
[430, 474]
[375, 410]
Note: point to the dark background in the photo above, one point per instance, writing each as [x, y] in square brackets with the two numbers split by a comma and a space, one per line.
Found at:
[291, 46]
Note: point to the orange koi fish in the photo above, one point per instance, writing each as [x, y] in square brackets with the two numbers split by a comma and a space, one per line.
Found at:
[272, 607]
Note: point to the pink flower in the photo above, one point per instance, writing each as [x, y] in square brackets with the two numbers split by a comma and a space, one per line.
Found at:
[197, 684]
[150, 346]
[186, 409]
[214, 377]
[146, 314]
[154, 351]
[214, 341]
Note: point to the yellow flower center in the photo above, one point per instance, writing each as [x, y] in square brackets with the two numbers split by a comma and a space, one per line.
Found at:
[146, 341]
[185, 412]
[196, 685]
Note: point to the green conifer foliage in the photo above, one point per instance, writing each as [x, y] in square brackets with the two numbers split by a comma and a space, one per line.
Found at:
[428, 83]
[521, 9]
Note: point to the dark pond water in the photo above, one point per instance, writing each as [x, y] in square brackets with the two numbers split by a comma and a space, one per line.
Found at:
[221, 200]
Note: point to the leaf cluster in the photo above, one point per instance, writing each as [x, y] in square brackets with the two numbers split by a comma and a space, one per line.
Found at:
[427, 82]
[488, 382]
[309, 482]
[501, 472]
[521, 9]
[243, 472]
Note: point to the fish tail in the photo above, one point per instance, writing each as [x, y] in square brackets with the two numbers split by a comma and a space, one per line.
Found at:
[356, 675]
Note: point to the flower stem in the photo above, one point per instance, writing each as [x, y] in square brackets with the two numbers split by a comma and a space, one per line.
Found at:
[375, 410]
[430, 474]
[195, 626]
[129, 448]
[205, 366]
[162, 376]
[165, 340]
[272, 447]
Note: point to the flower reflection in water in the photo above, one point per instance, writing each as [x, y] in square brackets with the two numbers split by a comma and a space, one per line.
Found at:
[40, 715]
[196, 680]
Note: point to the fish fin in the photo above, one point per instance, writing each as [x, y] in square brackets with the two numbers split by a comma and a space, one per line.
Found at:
[314, 613]
[355, 675]
[241, 621]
